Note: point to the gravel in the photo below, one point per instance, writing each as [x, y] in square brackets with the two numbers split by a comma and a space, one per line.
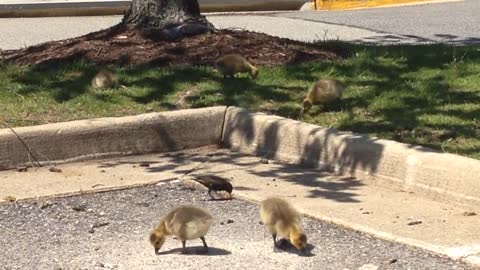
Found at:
[110, 231]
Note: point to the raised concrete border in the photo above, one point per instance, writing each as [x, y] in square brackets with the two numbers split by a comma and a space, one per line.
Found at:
[439, 176]
[103, 137]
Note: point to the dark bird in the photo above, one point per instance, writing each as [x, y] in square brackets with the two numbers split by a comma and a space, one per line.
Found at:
[216, 183]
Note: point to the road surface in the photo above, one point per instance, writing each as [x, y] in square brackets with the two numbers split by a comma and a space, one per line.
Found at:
[62, 236]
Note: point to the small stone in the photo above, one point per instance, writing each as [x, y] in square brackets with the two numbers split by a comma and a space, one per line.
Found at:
[368, 267]
[392, 261]
[42, 203]
[97, 248]
[9, 199]
[22, 169]
[101, 214]
[134, 166]
[261, 223]
[366, 213]
[222, 223]
[106, 265]
[274, 179]
[89, 210]
[414, 222]
[91, 230]
[102, 171]
[469, 213]
[144, 164]
[144, 204]
[55, 170]
[229, 221]
[79, 207]
[100, 224]
[264, 161]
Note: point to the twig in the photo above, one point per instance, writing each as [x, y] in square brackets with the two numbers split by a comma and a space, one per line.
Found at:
[19, 95]
[25, 145]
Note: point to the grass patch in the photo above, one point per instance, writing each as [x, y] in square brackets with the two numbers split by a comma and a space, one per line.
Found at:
[427, 95]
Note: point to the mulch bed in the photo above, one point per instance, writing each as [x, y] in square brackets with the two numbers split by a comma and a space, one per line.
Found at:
[133, 46]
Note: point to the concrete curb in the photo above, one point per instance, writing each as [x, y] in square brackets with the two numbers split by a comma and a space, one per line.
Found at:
[105, 137]
[439, 176]
[104, 8]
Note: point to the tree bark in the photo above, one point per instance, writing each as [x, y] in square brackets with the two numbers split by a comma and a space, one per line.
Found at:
[171, 18]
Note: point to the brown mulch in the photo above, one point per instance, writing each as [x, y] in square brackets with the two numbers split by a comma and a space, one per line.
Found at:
[123, 46]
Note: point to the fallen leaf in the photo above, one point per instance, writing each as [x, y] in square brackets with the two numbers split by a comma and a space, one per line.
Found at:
[9, 198]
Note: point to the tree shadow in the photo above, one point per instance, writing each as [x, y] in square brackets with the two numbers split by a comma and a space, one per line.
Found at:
[392, 91]
[62, 85]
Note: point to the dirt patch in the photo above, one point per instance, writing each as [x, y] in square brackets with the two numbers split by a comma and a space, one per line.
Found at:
[123, 46]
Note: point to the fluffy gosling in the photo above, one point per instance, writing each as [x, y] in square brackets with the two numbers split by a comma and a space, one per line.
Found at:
[185, 223]
[231, 64]
[104, 79]
[322, 92]
[279, 217]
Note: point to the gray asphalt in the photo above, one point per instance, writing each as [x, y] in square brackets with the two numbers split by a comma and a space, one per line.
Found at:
[453, 22]
[450, 22]
[60, 237]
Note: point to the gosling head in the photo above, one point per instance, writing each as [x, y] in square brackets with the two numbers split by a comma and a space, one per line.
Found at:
[254, 73]
[157, 239]
[307, 104]
[299, 241]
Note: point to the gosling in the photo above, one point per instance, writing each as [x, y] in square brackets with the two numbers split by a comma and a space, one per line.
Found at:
[231, 64]
[215, 183]
[185, 223]
[104, 79]
[279, 217]
[323, 92]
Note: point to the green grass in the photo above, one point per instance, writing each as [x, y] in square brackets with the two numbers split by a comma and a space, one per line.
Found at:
[427, 95]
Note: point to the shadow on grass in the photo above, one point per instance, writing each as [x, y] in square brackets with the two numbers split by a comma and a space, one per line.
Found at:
[412, 94]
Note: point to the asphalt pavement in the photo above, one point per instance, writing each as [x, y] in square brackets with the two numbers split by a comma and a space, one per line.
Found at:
[453, 22]
[450, 22]
[110, 231]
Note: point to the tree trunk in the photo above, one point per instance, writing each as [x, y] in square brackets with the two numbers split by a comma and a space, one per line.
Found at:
[170, 18]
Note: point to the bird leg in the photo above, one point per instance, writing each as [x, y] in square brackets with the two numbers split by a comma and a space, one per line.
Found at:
[210, 193]
[274, 236]
[205, 247]
[184, 248]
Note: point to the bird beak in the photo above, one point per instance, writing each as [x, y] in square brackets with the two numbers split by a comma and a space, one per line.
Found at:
[156, 250]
